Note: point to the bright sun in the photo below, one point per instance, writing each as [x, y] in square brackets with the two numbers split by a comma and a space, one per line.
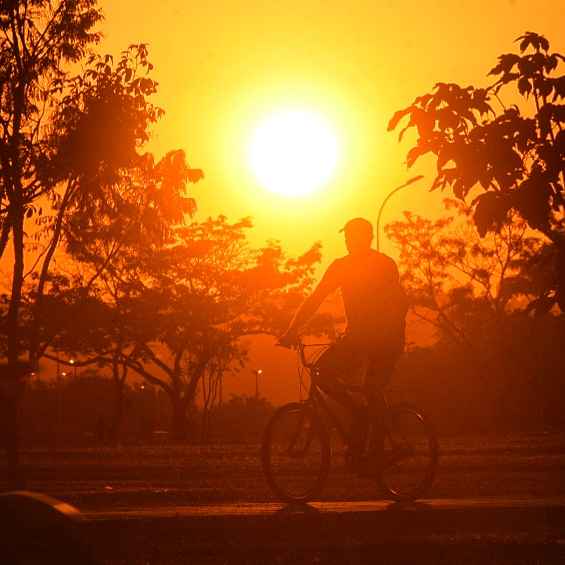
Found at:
[293, 152]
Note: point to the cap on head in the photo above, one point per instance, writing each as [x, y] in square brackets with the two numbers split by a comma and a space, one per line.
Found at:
[358, 235]
[358, 226]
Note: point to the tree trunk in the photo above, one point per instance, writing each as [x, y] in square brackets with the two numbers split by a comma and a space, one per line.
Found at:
[15, 373]
[179, 424]
[11, 386]
[12, 318]
[116, 428]
[6, 226]
[15, 477]
[181, 398]
[119, 382]
[205, 425]
[560, 275]
[43, 275]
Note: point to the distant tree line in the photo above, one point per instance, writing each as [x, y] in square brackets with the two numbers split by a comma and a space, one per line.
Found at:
[520, 391]
[78, 411]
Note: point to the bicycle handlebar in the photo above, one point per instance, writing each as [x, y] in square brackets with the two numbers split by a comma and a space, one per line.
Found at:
[300, 346]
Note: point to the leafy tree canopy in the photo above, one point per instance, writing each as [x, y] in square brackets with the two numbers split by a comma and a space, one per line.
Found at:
[514, 156]
[506, 157]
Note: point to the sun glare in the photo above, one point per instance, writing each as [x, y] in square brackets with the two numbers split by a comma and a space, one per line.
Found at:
[293, 152]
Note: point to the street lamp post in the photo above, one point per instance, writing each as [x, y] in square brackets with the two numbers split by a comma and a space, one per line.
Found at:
[72, 362]
[393, 191]
[60, 405]
[257, 373]
[221, 391]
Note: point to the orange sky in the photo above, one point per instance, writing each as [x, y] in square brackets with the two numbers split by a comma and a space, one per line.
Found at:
[222, 64]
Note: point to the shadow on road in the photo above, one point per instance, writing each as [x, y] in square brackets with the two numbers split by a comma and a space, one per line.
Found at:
[297, 508]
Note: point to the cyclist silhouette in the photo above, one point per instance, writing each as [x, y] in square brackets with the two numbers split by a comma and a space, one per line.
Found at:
[375, 306]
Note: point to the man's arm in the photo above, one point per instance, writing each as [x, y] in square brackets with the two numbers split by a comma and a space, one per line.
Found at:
[399, 297]
[328, 283]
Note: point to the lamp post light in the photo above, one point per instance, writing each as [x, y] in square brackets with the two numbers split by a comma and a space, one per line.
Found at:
[393, 191]
[257, 373]
[72, 362]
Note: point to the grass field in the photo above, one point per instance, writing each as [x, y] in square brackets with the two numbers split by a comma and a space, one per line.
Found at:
[519, 466]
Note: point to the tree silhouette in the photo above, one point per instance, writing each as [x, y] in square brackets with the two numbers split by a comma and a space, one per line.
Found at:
[201, 296]
[37, 40]
[478, 293]
[114, 194]
[174, 313]
[107, 236]
[462, 284]
[72, 159]
[505, 157]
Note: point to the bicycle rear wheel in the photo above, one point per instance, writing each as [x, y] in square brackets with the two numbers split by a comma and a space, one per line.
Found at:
[411, 454]
[295, 453]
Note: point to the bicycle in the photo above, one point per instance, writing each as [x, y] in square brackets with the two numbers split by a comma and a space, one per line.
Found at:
[296, 452]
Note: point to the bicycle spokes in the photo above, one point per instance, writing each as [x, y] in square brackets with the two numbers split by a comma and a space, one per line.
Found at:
[295, 453]
[410, 454]
[300, 438]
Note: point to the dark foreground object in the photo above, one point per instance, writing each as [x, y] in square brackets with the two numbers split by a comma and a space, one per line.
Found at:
[40, 530]
[439, 532]
[432, 553]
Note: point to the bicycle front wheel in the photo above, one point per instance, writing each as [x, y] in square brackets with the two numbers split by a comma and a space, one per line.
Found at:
[411, 454]
[295, 453]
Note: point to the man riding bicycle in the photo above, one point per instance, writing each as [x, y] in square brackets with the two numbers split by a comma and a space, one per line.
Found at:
[375, 306]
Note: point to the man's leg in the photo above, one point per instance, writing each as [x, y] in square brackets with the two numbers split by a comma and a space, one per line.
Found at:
[336, 366]
[378, 376]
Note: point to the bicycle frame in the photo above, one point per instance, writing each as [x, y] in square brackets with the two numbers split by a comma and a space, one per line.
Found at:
[317, 416]
[316, 399]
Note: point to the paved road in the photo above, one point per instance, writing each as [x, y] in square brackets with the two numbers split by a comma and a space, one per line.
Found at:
[480, 530]
[483, 506]
[327, 525]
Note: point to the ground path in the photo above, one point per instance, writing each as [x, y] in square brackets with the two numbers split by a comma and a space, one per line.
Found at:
[525, 530]
[530, 466]
[496, 501]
